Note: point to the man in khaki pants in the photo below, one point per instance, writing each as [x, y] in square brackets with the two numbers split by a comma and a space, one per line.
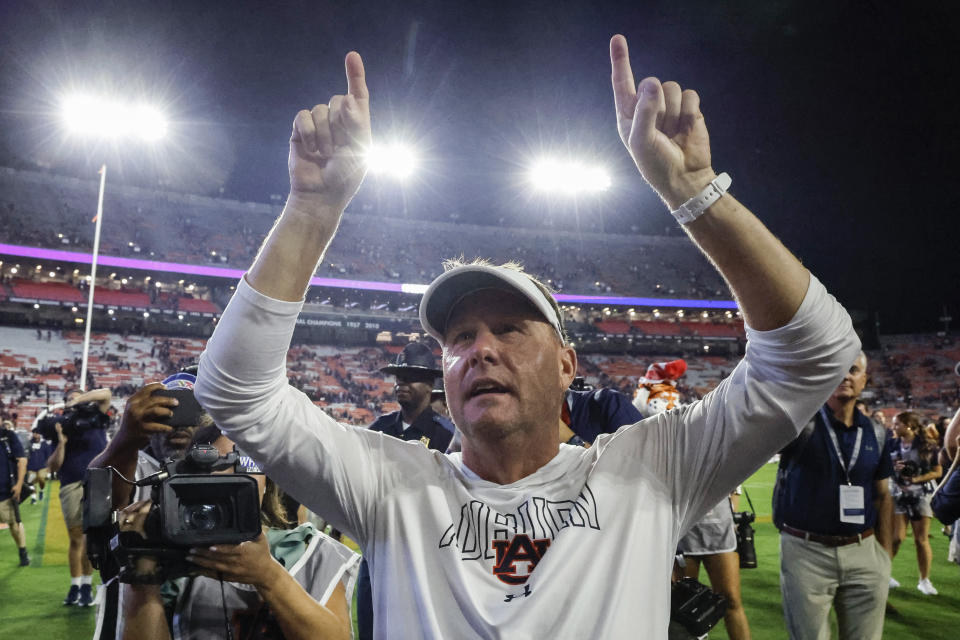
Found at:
[833, 508]
[76, 447]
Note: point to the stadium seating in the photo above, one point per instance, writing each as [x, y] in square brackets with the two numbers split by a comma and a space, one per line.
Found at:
[348, 384]
[49, 291]
[39, 209]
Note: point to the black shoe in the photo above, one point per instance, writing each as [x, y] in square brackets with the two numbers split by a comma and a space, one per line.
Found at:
[73, 596]
[86, 595]
[24, 558]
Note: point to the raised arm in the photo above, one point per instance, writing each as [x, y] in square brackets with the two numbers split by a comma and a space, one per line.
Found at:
[801, 341]
[102, 397]
[663, 129]
[333, 469]
[55, 461]
[326, 168]
[141, 419]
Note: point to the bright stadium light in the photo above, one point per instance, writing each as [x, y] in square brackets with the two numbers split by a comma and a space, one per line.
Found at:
[568, 177]
[89, 116]
[396, 160]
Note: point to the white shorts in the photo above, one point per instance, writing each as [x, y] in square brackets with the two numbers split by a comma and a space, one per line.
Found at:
[713, 534]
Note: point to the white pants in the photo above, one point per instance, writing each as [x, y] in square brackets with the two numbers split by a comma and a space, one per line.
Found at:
[853, 578]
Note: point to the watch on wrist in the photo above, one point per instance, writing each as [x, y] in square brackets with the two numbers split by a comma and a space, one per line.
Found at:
[695, 206]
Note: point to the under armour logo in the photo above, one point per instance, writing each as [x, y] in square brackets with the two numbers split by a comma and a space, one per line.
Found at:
[526, 592]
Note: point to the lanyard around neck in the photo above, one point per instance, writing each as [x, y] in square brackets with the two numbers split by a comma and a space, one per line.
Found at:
[836, 445]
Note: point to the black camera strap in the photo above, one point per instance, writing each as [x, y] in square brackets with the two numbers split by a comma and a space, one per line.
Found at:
[749, 501]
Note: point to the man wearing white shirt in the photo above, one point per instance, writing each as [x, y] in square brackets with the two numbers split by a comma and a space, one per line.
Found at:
[489, 542]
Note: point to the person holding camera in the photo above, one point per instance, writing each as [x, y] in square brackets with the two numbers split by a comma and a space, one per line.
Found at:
[290, 583]
[40, 450]
[832, 506]
[81, 431]
[13, 470]
[916, 467]
[487, 542]
[142, 442]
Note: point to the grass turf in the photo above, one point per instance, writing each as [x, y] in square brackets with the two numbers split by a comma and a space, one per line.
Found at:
[30, 598]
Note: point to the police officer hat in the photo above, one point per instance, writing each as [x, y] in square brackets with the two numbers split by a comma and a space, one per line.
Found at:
[416, 357]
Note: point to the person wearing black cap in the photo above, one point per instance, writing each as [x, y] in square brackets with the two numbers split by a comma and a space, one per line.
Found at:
[415, 372]
[486, 543]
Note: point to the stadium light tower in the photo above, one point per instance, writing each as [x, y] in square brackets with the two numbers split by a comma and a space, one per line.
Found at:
[91, 117]
[398, 161]
[567, 177]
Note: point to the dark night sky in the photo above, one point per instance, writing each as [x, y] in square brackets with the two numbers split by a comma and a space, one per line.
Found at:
[833, 118]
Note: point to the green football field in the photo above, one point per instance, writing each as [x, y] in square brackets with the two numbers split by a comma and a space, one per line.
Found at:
[30, 598]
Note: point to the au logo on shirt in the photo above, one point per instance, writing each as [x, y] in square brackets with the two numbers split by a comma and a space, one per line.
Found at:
[425, 441]
[517, 557]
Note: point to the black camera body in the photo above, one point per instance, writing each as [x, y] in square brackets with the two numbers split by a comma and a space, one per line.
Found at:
[745, 545]
[192, 507]
[910, 469]
[695, 607]
[73, 421]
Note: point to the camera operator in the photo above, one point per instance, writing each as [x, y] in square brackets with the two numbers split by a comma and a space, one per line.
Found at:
[40, 450]
[141, 443]
[300, 579]
[916, 466]
[13, 469]
[81, 434]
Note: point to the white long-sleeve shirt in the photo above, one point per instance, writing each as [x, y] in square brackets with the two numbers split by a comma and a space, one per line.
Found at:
[583, 547]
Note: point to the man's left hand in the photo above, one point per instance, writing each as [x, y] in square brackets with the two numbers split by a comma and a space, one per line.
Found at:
[662, 128]
[247, 563]
[17, 488]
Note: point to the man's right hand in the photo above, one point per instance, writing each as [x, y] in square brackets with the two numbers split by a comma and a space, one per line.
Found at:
[142, 413]
[328, 144]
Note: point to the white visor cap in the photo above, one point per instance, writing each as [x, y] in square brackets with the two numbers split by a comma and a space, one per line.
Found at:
[448, 289]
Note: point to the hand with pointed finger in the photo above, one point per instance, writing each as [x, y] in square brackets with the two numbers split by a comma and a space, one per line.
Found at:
[328, 143]
[662, 128]
[247, 563]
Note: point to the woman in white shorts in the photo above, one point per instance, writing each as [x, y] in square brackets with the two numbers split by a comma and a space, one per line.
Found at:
[916, 468]
[713, 541]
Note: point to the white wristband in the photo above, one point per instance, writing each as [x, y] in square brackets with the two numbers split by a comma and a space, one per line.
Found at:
[695, 206]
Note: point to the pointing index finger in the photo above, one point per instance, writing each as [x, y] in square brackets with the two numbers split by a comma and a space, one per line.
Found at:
[624, 90]
[356, 78]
